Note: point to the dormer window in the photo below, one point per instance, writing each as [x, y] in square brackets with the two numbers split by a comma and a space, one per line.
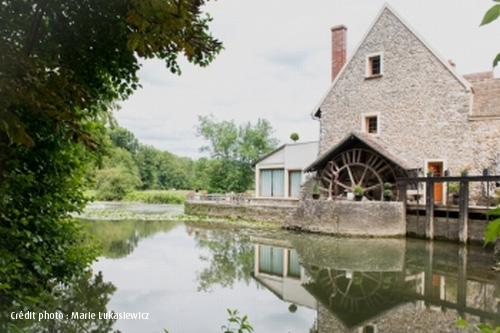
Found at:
[374, 65]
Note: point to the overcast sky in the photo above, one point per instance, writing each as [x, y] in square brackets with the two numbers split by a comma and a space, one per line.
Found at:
[276, 64]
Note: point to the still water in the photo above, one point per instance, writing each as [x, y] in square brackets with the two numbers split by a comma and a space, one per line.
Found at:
[185, 275]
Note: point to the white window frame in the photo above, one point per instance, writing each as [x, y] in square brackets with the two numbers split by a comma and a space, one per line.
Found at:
[368, 71]
[364, 120]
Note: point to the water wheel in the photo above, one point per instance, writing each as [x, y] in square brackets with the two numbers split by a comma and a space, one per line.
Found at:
[356, 167]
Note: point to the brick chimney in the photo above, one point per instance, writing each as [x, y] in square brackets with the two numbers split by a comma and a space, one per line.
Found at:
[339, 45]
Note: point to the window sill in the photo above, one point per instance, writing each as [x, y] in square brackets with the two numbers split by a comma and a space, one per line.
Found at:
[371, 77]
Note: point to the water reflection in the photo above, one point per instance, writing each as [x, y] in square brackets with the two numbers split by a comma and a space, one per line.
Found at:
[288, 282]
[229, 257]
[385, 285]
[57, 312]
[120, 238]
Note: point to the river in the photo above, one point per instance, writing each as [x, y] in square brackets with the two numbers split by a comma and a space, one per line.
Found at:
[183, 276]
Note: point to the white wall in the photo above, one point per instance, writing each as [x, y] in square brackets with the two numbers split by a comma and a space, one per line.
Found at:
[290, 157]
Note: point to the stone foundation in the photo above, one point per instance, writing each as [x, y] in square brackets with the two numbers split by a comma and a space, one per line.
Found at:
[366, 218]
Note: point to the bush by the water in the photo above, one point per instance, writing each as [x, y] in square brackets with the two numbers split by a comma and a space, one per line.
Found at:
[157, 197]
[115, 183]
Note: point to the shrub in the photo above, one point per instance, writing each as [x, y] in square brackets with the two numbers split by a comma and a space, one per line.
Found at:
[157, 197]
[115, 183]
[358, 190]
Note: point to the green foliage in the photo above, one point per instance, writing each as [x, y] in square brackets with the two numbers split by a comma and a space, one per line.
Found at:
[157, 197]
[388, 190]
[493, 228]
[123, 138]
[160, 27]
[229, 175]
[201, 172]
[479, 327]
[88, 293]
[161, 170]
[454, 187]
[294, 137]
[119, 157]
[222, 136]
[40, 242]
[491, 15]
[115, 183]
[358, 190]
[234, 149]
[315, 189]
[388, 193]
[241, 323]
[146, 167]
[255, 141]
[62, 65]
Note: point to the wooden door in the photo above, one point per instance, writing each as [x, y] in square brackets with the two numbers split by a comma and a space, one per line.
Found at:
[437, 168]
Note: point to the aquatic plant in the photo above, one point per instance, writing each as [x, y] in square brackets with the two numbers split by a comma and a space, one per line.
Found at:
[242, 322]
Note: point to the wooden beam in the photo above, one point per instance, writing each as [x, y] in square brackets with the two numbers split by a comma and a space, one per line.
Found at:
[429, 208]
[463, 212]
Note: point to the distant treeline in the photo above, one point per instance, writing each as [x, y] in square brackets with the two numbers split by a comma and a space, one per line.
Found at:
[126, 165]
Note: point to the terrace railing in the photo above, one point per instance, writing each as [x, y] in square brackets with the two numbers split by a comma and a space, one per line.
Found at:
[235, 198]
[408, 185]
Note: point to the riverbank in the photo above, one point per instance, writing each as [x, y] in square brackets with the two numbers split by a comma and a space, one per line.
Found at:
[140, 211]
[148, 196]
[130, 210]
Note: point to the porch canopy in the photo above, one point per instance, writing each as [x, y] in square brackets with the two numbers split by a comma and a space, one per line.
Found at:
[360, 160]
[355, 140]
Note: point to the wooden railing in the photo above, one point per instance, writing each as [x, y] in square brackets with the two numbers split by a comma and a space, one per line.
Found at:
[405, 184]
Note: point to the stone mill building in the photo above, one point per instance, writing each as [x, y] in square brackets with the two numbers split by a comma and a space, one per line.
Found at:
[396, 108]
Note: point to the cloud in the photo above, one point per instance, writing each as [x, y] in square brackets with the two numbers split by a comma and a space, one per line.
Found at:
[276, 64]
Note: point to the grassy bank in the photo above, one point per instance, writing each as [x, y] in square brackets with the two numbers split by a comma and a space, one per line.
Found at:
[152, 196]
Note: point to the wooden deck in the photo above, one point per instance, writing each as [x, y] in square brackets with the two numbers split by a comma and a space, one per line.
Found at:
[432, 210]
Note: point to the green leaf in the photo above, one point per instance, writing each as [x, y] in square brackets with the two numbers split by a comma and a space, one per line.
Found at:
[462, 323]
[495, 211]
[492, 231]
[492, 14]
[484, 328]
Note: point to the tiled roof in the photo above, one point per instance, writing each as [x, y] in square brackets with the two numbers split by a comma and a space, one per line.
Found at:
[486, 94]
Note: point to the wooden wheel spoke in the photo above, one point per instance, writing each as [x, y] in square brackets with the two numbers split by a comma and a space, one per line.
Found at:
[351, 177]
[342, 185]
[374, 187]
[364, 174]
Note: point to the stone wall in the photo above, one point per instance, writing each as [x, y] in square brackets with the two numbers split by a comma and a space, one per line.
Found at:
[247, 212]
[422, 107]
[486, 143]
[366, 218]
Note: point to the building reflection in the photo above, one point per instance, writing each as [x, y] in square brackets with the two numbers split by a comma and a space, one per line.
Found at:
[279, 270]
[381, 285]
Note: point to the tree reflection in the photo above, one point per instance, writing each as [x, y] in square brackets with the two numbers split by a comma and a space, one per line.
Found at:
[230, 257]
[87, 294]
[120, 238]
